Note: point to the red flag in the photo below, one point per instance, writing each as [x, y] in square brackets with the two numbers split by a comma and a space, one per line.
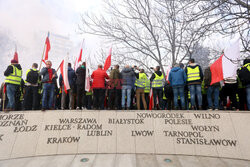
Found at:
[107, 63]
[15, 56]
[4, 88]
[151, 100]
[217, 70]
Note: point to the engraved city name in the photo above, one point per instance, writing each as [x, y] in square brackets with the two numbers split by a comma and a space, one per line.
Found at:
[60, 140]
[1, 137]
[7, 120]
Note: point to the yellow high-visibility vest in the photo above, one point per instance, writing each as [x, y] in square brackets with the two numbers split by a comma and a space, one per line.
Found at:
[141, 81]
[158, 81]
[15, 77]
[247, 66]
[193, 73]
[147, 87]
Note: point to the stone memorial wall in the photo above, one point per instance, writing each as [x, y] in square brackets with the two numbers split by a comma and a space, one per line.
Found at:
[214, 133]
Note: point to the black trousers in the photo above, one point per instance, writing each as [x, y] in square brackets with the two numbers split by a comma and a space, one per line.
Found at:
[158, 93]
[229, 90]
[114, 98]
[31, 98]
[99, 95]
[81, 96]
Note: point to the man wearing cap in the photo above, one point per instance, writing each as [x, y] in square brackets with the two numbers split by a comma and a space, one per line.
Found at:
[13, 75]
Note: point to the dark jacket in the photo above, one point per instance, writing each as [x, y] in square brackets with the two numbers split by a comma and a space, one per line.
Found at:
[177, 77]
[244, 73]
[45, 74]
[128, 77]
[9, 69]
[80, 75]
[208, 78]
[71, 77]
[153, 75]
[199, 81]
[115, 78]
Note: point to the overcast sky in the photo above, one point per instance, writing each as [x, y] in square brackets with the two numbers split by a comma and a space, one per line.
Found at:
[26, 23]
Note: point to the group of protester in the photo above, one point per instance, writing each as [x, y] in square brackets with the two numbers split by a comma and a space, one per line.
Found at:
[185, 88]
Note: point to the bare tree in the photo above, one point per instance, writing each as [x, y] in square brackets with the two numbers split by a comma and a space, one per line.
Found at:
[227, 17]
[155, 32]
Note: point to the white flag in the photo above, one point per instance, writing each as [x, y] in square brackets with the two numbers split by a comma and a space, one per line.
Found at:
[230, 58]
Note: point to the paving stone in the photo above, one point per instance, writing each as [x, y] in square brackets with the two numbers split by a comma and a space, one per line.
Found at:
[88, 144]
[125, 140]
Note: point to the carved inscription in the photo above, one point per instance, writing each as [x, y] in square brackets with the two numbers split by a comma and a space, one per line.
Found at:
[182, 128]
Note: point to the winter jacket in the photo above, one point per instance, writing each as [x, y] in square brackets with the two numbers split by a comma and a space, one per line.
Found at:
[153, 75]
[244, 73]
[44, 72]
[9, 69]
[128, 77]
[177, 77]
[115, 78]
[71, 77]
[81, 75]
[193, 66]
[208, 78]
[98, 77]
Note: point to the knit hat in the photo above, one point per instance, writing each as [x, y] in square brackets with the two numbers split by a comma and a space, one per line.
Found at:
[14, 61]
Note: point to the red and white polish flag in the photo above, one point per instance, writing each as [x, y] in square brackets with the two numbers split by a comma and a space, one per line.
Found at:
[47, 49]
[64, 72]
[78, 60]
[226, 65]
[107, 63]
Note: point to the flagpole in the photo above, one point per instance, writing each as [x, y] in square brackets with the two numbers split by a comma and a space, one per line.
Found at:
[42, 58]
[4, 98]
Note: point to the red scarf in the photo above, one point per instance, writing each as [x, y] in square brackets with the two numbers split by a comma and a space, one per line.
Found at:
[50, 74]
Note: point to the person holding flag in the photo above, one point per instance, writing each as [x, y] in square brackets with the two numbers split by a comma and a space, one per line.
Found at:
[49, 77]
[71, 80]
[213, 89]
[13, 75]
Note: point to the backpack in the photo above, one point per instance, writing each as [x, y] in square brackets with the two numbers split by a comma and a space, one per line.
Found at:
[32, 77]
[244, 75]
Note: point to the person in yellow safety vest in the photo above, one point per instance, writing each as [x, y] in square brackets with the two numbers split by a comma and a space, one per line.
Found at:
[158, 83]
[140, 84]
[194, 79]
[13, 79]
[31, 89]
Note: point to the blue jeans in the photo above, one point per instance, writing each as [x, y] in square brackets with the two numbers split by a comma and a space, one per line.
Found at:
[215, 90]
[195, 90]
[248, 96]
[11, 93]
[48, 95]
[126, 90]
[179, 91]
